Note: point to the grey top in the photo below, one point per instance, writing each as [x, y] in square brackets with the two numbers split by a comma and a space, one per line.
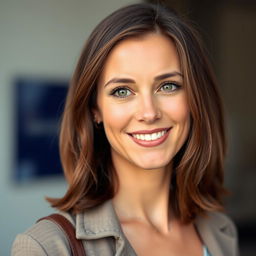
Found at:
[101, 233]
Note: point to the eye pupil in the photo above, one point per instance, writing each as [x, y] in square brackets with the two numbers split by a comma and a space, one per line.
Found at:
[122, 92]
[168, 87]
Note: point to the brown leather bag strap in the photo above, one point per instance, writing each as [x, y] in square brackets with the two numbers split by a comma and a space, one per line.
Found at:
[75, 244]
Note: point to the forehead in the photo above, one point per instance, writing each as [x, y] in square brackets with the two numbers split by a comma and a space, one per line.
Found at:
[151, 53]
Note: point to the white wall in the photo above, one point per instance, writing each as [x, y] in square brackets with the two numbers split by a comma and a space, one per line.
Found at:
[41, 38]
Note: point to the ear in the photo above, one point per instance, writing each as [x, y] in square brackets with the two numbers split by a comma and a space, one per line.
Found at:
[96, 115]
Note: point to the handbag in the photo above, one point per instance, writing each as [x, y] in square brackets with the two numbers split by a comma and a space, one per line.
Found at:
[76, 245]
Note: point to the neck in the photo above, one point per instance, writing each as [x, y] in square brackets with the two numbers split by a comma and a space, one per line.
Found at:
[143, 195]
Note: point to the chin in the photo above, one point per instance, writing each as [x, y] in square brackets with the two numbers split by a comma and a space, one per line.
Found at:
[154, 165]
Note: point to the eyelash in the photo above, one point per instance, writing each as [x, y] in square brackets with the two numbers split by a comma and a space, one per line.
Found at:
[112, 93]
[116, 89]
[173, 84]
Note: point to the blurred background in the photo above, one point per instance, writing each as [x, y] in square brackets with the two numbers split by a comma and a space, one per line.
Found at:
[40, 42]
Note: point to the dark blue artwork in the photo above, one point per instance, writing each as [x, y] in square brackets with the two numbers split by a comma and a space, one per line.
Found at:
[39, 106]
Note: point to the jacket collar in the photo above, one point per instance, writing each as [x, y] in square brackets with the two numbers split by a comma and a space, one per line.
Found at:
[216, 230]
[101, 222]
[218, 233]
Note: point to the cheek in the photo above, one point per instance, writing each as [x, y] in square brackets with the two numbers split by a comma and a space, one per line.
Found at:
[116, 115]
[178, 110]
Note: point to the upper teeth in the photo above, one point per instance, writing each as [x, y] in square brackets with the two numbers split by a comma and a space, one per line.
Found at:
[148, 137]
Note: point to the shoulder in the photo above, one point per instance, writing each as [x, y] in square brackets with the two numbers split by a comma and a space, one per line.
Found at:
[219, 233]
[223, 222]
[43, 238]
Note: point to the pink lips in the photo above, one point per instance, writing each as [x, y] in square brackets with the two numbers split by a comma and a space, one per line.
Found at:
[151, 143]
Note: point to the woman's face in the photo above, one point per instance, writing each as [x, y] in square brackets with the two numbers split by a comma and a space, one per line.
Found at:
[142, 103]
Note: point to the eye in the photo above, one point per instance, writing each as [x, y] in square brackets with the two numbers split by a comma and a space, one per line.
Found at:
[121, 92]
[169, 87]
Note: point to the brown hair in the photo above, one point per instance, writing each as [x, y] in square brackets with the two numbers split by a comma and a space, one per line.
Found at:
[197, 178]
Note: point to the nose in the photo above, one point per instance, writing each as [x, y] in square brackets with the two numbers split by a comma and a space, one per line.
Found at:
[148, 109]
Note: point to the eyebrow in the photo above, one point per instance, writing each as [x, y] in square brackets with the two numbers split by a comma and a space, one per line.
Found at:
[157, 78]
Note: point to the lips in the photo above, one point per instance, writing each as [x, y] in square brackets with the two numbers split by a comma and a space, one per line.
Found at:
[150, 131]
[150, 138]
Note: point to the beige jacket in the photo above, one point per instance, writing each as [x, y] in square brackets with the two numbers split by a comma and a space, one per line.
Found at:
[102, 235]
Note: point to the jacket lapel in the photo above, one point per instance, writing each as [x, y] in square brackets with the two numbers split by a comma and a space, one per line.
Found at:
[218, 233]
[102, 222]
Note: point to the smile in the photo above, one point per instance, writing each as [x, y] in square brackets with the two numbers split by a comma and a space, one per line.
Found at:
[150, 138]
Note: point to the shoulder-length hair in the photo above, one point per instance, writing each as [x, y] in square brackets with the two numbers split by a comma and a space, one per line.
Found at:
[197, 175]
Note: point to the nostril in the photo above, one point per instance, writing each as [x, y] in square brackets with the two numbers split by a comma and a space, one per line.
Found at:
[148, 115]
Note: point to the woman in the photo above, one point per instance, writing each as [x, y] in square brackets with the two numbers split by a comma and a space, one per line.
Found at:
[142, 145]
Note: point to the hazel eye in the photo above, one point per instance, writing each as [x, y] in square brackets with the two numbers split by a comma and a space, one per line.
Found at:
[169, 87]
[121, 92]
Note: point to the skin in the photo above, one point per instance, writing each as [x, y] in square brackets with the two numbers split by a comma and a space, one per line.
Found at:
[142, 201]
